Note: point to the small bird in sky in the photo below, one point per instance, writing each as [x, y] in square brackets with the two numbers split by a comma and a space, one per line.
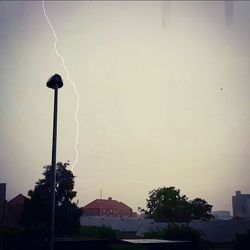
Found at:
[221, 88]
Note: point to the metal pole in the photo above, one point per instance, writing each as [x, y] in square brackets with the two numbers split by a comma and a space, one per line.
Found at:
[55, 82]
[53, 171]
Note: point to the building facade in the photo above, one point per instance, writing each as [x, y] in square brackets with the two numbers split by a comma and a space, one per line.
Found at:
[221, 215]
[2, 204]
[10, 211]
[241, 205]
[15, 208]
[107, 207]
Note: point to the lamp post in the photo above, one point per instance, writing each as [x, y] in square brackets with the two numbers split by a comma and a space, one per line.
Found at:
[55, 82]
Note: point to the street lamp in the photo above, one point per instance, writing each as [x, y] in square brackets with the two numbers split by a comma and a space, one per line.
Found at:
[55, 82]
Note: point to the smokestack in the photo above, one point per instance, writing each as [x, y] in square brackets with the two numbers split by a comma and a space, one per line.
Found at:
[238, 193]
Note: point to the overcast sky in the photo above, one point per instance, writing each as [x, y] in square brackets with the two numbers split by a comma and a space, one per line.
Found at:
[152, 112]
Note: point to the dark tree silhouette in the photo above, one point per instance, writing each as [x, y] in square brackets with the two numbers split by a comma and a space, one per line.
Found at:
[200, 209]
[36, 215]
[167, 204]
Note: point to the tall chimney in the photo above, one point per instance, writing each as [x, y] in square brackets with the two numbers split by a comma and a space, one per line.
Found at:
[238, 193]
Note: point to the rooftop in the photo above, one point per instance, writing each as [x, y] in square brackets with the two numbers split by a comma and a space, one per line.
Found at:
[106, 203]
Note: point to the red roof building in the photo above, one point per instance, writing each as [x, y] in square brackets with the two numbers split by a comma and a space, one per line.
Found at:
[14, 210]
[109, 207]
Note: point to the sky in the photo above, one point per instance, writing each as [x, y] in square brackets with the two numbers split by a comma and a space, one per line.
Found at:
[164, 97]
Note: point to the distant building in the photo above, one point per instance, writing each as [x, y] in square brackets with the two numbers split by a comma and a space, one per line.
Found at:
[127, 226]
[2, 204]
[216, 231]
[241, 205]
[14, 210]
[109, 207]
[10, 211]
[221, 215]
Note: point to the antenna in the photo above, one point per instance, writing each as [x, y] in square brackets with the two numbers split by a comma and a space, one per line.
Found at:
[229, 12]
[165, 13]
[101, 194]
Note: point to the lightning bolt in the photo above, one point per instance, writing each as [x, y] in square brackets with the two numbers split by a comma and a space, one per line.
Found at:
[71, 82]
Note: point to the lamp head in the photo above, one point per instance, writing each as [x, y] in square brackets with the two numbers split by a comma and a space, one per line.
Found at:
[55, 81]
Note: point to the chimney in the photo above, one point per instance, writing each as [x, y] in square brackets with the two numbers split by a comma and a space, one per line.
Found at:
[238, 193]
[110, 198]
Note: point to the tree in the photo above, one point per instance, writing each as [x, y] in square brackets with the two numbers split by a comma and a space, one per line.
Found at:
[36, 215]
[200, 209]
[166, 204]
[169, 205]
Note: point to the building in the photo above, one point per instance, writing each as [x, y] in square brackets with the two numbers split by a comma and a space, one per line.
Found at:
[2, 204]
[10, 211]
[241, 205]
[14, 210]
[107, 207]
[215, 231]
[128, 227]
[221, 215]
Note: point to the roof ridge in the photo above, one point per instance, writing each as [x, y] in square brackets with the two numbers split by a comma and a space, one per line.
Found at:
[16, 197]
[106, 203]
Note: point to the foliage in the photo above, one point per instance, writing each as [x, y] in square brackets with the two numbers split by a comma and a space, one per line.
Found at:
[200, 209]
[167, 204]
[242, 241]
[36, 216]
[97, 233]
[178, 232]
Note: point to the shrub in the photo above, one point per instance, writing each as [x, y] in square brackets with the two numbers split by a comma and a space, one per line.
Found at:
[176, 232]
[98, 233]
